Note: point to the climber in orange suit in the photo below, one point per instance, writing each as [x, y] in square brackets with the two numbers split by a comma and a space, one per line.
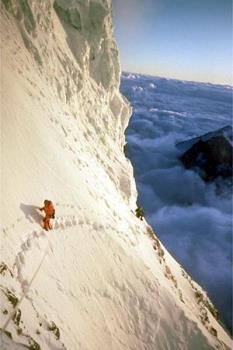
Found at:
[49, 214]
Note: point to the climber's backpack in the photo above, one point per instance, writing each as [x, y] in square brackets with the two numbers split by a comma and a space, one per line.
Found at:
[50, 210]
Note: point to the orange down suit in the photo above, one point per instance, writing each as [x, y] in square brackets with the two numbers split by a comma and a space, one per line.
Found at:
[49, 213]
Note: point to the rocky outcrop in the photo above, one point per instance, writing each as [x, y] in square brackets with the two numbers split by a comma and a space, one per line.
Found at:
[210, 154]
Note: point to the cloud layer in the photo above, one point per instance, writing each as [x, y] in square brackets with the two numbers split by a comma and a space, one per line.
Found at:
[191, 217]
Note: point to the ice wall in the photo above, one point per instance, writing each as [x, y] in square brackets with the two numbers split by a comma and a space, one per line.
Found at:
[69, 45]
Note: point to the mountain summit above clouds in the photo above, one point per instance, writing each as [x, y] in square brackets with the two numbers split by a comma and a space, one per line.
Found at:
[211, 153]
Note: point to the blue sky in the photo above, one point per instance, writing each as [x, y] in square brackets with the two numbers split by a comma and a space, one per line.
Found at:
[182, 39]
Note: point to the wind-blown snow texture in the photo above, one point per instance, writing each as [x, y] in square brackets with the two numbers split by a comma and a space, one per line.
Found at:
[193, 221]
[100, 279]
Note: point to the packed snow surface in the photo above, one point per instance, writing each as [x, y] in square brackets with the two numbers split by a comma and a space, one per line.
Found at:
[193, 219]
[100, 279]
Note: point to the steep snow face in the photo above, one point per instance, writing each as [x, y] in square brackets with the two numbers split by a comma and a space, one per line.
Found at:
[72, 42]
[100, 279]
[90, 25]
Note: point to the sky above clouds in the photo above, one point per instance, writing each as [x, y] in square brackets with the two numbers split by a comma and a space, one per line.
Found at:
[190, 40]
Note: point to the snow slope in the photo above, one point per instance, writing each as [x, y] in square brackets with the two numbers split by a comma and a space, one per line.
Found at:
[100, 279]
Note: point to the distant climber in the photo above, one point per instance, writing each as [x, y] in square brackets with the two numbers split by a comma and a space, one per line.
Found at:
[49, 214]
[139, 213]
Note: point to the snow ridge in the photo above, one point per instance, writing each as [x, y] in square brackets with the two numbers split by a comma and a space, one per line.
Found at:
[100, 278]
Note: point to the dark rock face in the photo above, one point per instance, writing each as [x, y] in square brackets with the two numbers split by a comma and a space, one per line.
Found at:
[210, 156]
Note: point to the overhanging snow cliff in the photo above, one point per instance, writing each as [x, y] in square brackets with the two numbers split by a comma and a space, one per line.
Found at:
[100, 279]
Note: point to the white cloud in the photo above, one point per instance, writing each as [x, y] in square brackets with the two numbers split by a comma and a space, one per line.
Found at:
[188, 215]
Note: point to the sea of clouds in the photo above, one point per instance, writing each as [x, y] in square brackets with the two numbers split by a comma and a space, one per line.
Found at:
[192, 218]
